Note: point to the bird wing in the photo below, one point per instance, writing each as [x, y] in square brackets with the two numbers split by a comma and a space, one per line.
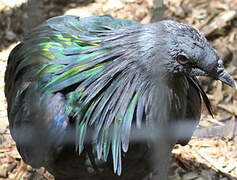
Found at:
[82, 59]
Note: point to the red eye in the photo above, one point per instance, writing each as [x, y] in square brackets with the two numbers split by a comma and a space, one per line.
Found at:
[182, 59]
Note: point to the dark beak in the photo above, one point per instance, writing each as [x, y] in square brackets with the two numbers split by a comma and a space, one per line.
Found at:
[227, 79]
[217, 73]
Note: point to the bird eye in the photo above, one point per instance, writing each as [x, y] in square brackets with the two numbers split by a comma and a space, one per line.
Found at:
[182, 59]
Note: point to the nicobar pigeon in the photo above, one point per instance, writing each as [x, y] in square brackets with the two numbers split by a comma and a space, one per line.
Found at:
[78, 88]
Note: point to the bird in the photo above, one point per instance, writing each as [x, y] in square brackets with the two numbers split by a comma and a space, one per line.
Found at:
[86, 95]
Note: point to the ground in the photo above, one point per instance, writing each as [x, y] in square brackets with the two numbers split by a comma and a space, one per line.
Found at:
[212, 153]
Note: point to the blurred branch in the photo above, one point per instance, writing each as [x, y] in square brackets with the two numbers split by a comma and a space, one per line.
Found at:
[33, 15]
[158, 10]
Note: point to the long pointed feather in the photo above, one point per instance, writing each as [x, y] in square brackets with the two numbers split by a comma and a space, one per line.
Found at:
[203, 94]
[127, 123]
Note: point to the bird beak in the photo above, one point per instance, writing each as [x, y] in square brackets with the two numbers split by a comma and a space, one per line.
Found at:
[217, 73]
[227, 79]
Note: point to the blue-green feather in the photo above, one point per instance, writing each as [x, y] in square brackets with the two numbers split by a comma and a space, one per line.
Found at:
[83, 59]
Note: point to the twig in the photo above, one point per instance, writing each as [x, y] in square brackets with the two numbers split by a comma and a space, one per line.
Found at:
[215, 121]
[214, 164]
[219, 22]
[228, 108]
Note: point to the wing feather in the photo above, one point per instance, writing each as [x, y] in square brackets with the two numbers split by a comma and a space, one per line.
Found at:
[87, 62]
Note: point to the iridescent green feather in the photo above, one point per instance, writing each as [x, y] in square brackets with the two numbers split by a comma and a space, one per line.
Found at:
[75, 59]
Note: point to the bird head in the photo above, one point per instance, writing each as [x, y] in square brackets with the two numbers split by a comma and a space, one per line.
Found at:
[190, 53]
